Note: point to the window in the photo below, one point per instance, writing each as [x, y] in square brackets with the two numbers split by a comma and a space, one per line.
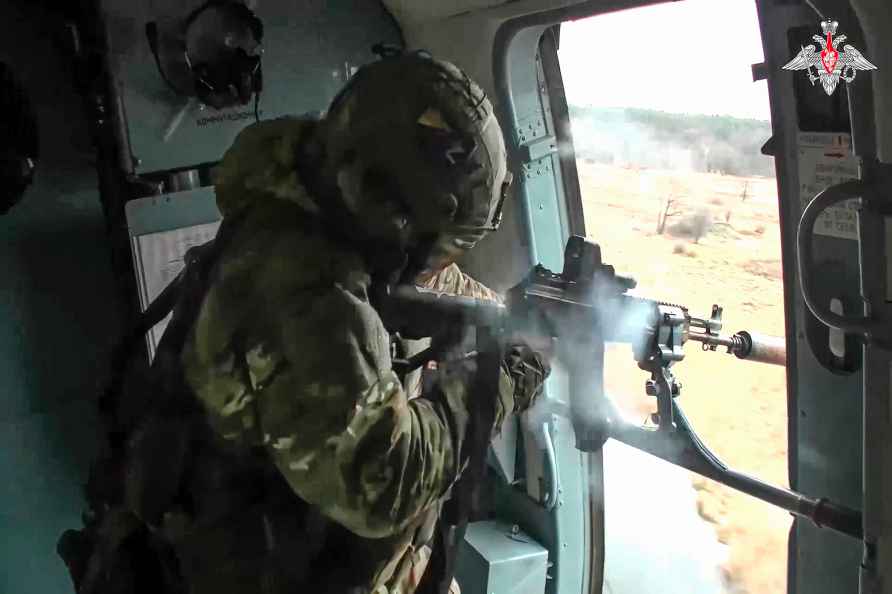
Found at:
[668, 127]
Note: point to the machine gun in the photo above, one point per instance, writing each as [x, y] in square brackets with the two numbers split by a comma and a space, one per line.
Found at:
[586, 306]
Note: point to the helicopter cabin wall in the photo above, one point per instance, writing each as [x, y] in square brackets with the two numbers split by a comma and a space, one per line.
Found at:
[309, 51]
[59, 312]
[874, 145]
[825, 369]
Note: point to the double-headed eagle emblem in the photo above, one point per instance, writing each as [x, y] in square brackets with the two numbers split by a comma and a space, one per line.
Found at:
[829, 64]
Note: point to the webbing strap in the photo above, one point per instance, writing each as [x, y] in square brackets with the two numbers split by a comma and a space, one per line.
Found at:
[464, 501]
[199, 261]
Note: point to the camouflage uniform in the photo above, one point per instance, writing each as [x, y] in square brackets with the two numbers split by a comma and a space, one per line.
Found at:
[288, 354]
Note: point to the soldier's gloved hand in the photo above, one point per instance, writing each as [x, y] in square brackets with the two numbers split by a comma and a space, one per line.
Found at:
[523, 371]
[528, 368]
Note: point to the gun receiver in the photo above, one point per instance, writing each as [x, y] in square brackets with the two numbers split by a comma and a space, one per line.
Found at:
[588, 305]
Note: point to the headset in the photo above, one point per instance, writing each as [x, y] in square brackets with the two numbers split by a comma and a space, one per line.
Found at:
[221, 46]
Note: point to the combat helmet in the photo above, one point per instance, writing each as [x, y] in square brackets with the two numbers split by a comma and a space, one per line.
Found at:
[418, 157]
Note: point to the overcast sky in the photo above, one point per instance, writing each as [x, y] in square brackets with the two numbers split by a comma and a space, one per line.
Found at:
[687, 57]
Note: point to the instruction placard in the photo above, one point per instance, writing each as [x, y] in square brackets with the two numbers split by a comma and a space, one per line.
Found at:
[826, 159]
[159, 259]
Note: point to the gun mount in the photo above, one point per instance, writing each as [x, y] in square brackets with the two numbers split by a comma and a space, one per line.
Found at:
[584, 307]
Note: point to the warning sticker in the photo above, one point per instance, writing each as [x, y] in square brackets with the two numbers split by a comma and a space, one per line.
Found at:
[826, 159]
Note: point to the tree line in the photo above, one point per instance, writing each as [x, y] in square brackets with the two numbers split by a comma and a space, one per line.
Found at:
[656, 139]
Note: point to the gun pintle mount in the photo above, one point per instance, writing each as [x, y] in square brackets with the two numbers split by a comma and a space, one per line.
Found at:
[587, 305]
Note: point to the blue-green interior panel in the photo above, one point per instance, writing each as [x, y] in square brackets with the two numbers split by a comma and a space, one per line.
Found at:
[59, 319]
[172, 211]
[309, 51]
[566, 528]
[499, 558]
[540, 193]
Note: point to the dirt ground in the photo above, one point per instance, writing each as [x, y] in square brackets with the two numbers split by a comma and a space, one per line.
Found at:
[737, 407]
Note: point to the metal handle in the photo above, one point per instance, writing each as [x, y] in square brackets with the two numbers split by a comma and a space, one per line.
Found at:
[551, 497]
[861, 326]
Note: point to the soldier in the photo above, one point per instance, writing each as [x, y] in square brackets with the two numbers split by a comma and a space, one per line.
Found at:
[278, 450]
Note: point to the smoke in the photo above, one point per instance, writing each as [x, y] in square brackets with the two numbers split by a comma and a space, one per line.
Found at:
[624, 319]
[658, 140]
[631, 320]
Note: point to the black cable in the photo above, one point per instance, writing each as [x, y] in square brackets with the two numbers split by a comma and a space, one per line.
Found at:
[152, 36]
[815, 8]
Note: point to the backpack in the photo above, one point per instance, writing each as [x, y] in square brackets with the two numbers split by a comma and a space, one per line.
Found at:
[116, 551]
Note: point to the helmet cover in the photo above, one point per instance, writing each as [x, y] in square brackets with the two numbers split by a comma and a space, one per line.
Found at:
[418, 158]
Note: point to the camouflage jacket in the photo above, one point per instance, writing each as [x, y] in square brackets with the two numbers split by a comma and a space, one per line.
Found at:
[288, 354]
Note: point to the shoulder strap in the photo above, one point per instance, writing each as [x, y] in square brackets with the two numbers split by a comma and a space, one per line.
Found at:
[464, 503]
[194, 278]
[104, 490]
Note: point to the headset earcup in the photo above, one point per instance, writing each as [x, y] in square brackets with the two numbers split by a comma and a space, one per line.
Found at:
[241, 77]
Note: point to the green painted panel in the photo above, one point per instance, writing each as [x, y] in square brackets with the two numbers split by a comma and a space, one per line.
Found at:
[45, 458]
[565, 529]
[54, 249]
[57, 303]
[309, 50]
[172, 211]
[540, 190]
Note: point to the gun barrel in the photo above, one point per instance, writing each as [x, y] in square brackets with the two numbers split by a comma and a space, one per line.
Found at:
[418, 305]
[761, 348]
[749, 346]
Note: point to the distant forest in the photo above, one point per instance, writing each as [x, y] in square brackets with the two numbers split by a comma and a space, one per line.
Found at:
[655, 139]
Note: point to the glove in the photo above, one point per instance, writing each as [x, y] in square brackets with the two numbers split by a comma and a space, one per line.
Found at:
[522, 376]
[528, 369]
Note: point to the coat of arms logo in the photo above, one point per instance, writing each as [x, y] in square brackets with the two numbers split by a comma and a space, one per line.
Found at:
[828, 62]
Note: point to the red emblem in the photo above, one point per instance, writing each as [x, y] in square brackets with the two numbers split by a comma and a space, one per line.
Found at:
[829, 55]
